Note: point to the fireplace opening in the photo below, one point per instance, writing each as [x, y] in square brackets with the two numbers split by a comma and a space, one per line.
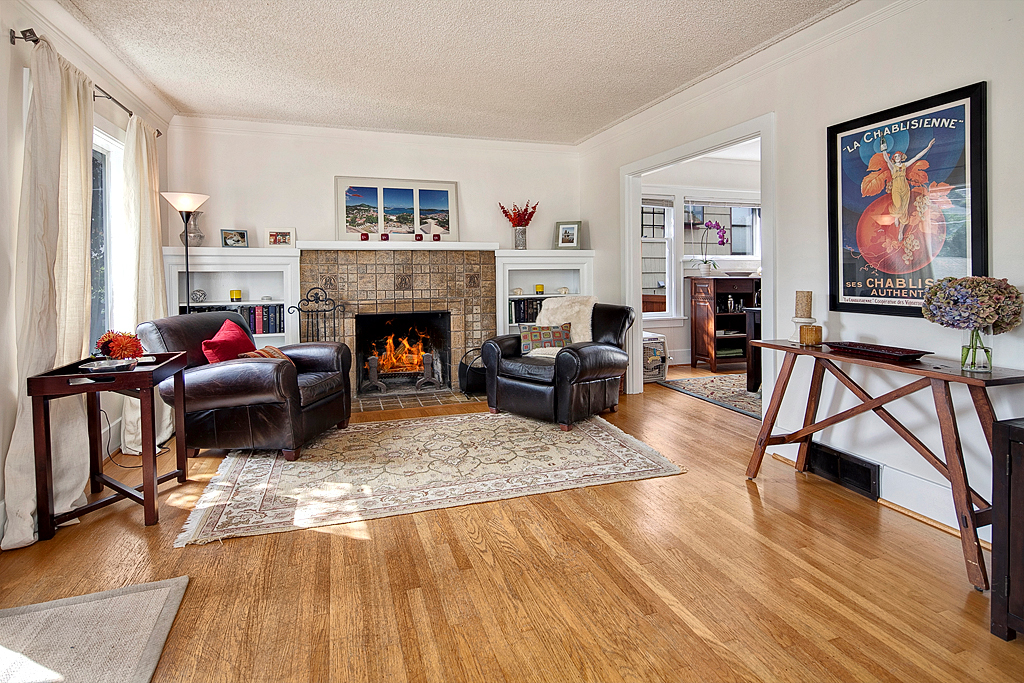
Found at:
[403, 352]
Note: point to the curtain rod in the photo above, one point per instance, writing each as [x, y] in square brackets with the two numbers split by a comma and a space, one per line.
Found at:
[29, 36]
[107, 96]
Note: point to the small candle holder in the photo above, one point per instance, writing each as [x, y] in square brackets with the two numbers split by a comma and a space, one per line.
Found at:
[810, 335]
[364, 237]
[795, 337]
[384, 237]
[539, 289]
[436, 238]
[419, 237]
[236, 295]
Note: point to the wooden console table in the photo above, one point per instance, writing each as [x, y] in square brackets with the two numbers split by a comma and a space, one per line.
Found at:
[972, 510]
[70, 380]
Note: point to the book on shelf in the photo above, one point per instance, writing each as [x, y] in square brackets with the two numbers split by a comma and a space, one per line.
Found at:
[262, 319]
[524, 310]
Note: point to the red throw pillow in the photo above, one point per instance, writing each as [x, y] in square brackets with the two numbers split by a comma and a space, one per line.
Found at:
[229, 341]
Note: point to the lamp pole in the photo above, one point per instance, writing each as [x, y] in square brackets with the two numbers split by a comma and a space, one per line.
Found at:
[186, 203]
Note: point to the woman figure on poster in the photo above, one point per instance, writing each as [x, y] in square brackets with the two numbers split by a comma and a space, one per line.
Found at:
[898, 164]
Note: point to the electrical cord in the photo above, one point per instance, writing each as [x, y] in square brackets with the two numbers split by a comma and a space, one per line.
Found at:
[110, 454]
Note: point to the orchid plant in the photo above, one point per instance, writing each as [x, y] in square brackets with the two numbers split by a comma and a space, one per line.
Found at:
[722, 241]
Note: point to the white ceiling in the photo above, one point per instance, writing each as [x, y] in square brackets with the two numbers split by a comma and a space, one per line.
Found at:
[557, 71]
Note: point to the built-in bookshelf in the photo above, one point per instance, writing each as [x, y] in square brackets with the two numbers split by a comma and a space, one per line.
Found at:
[268, 279]
[525, 269]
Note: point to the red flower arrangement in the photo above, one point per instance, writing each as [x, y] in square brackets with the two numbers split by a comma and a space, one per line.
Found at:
[119, 345]
[519, 218]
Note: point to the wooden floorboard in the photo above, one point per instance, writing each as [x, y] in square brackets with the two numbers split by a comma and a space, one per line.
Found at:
[704, 576]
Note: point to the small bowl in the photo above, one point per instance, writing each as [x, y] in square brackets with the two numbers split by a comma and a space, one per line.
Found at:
[110, 365]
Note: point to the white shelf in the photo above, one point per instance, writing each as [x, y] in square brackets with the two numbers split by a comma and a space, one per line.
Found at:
[553, 268]
[261, 302]
[395, 245]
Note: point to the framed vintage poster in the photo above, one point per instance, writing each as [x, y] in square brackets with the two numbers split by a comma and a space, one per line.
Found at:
[907, 202]
[400, 209]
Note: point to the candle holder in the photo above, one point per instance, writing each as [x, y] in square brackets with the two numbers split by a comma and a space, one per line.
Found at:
[795, 337]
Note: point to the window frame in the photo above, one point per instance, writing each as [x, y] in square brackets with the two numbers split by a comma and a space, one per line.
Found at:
[668, 230]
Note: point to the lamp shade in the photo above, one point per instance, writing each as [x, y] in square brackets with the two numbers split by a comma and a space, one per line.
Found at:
[185, 201]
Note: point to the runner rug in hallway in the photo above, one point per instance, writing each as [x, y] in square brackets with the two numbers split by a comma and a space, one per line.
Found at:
[380, 469]
[728, 391]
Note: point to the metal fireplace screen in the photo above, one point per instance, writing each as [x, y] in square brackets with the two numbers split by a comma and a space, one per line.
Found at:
[318, 316]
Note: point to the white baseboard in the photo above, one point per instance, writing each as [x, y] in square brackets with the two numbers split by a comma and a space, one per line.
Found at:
[679, 356]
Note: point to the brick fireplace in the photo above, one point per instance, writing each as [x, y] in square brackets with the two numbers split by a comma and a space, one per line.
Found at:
[409, 280]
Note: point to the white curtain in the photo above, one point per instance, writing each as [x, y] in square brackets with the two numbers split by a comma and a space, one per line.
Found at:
[142, 210]
[52, 271]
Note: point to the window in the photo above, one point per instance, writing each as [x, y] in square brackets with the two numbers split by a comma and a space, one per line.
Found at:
[108, 243]
[656, 266]
[742, 223]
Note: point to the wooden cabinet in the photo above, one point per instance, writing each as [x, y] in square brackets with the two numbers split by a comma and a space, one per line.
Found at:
[718, 334]
[1008, 528]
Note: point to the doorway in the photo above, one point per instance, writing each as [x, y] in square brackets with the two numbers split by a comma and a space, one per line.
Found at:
[631, 177]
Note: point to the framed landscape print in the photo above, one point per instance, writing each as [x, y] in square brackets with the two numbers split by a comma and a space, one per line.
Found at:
[397, 208]
[567, 234]
[907, 202]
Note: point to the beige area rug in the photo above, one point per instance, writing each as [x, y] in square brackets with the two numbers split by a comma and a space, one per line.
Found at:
[380, 469]
[115, 636]
[728, 391]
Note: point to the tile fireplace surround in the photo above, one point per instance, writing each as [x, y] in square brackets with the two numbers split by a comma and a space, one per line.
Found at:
[405, 280]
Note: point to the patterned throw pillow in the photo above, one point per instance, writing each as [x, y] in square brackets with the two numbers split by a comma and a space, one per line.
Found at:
[267, 352]
[544, 336]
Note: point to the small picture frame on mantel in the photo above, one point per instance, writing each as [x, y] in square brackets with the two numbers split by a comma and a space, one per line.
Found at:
[567, 234]
[234, 239]
[280, 237]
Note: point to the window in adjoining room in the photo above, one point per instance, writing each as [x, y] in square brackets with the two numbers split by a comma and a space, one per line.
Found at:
[657, 271]
[742, 223]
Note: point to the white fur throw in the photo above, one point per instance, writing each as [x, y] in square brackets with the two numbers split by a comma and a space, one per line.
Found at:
[576, 310]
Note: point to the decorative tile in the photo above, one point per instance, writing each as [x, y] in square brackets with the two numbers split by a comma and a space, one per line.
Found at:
[403, 281]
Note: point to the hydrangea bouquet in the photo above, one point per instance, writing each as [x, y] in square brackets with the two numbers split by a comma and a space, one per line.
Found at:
[977, 305]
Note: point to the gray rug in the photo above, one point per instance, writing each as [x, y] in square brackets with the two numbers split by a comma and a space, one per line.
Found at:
[396, 467]
[115, 636]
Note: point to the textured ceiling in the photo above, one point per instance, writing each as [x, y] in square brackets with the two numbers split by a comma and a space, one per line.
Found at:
[541, 70]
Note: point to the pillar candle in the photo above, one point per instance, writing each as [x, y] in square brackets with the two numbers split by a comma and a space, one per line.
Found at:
[803, 305]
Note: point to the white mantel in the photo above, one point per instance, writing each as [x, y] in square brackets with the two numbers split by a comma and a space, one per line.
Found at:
[394, 245]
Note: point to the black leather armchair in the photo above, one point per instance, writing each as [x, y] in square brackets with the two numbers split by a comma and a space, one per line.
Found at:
[253, 402]
[583, 379]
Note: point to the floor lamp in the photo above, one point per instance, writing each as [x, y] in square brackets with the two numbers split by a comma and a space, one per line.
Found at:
[186, 203]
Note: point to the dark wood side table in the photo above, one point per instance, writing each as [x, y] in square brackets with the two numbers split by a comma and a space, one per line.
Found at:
[1008, 529]
[753, 353]
[936, 374]
[70, 380]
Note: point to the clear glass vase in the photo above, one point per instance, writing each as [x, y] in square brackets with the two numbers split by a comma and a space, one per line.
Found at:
[976, 352]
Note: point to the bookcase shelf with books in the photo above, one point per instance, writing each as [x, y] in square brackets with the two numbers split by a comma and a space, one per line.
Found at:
[525, 269]
[268, 279]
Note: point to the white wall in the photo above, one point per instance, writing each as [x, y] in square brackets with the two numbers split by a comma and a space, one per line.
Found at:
[262, 176]
[705, 178]
[871, 56]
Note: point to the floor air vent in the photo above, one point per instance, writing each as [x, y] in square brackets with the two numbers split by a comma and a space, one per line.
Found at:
[844, 469]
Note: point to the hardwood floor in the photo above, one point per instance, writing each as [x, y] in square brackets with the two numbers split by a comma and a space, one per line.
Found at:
[698, 577]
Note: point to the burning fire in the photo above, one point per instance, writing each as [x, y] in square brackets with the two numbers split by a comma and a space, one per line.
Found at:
[405, 357]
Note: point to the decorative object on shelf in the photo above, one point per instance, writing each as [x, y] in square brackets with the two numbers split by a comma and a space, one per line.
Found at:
[419, 237]
[567, 234]
[563, 290]
[877, 351]
[238, 239]
[236, 295]
[119, 345]
[705, 264]
[519, 218]
[402, 208]
[186, 203]
[364, 237]
[539, 289]
[907, 190]
[198, 296]
[384, 237]
[981, 307]
[280, 237]
[192, 231]
[517, 291]
[810, 335]
[436, 237]
[266, 298]
[802, 314]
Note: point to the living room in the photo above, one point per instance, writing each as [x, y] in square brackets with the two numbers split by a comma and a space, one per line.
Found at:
[702, 576]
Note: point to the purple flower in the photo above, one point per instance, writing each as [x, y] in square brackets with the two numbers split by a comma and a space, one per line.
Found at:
[970, 303]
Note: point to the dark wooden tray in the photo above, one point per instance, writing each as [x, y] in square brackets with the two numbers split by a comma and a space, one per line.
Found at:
[877, 351]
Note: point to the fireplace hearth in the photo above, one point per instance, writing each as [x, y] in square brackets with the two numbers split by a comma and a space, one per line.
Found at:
[403, 352]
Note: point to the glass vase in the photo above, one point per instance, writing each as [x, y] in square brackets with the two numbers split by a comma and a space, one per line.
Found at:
[520, 237]
[976, 352]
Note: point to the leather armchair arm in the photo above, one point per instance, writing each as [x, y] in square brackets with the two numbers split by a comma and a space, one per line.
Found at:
[505, 346]
[319, 356]
[241, 382]
[587, 361]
